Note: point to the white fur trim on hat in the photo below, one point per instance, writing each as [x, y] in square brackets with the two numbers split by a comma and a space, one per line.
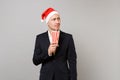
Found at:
[50, 15]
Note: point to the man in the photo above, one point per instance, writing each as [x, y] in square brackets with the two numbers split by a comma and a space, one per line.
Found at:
[58, 59]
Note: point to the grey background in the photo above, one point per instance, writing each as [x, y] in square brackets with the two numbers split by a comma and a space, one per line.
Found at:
[95, 25]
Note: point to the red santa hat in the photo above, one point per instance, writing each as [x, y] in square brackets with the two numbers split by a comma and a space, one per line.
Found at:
[47, 14]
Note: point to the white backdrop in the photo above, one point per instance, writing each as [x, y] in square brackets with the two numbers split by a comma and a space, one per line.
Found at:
[95, 25]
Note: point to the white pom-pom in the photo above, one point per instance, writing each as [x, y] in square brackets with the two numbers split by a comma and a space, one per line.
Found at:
[42, 20]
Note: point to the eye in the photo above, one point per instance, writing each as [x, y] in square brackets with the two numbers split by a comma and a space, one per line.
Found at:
[58, 18]
[53, 19]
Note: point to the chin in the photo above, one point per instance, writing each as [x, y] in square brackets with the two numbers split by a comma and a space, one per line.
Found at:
[57, 29]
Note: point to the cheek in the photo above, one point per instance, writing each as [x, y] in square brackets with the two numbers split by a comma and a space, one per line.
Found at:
[52, 24]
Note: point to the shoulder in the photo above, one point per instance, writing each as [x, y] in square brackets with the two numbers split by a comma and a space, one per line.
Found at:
[66, 34]
[42, 34]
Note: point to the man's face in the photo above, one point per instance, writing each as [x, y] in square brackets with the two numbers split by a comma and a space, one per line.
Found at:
[54, 22]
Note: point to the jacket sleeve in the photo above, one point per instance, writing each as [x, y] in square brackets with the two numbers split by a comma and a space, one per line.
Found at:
[39, 55]
[72, 59]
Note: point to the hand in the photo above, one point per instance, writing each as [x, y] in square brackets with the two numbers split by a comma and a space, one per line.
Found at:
[52, 49]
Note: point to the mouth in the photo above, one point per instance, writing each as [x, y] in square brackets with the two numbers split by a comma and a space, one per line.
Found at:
[57, 25]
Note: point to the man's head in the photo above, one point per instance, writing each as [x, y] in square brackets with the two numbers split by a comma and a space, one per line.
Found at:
[52, 19]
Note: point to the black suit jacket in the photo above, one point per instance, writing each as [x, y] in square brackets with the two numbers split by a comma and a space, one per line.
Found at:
[62, 65]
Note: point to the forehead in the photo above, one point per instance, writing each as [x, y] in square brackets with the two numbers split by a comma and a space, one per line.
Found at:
[55, 16]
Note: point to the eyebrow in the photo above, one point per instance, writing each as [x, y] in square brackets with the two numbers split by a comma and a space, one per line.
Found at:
[55, 18]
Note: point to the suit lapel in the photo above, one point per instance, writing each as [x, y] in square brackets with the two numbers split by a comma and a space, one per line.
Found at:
[61, 38]
[46, 40]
